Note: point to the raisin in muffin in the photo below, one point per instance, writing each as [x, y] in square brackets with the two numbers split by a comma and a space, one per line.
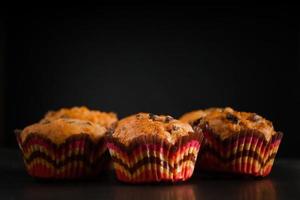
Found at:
[63, 148]
[106, 119]
[235, 142]
[152, 148]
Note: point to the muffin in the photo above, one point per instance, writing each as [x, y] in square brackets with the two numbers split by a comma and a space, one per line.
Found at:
[106, 119]
[63, 148]
[153, 148]
[235, 142]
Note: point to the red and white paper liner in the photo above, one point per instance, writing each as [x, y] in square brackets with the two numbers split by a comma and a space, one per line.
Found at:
[152, 159]
[247, 153]
[78, 157]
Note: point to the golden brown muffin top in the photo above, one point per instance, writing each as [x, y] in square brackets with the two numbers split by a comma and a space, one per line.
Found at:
[190, 117]
[227, 121]
[58, 130]
[144, 124]
[103, 118]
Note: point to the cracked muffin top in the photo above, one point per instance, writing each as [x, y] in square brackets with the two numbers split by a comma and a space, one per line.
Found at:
[58, 130]
[142, 124]
[106, 119]
[225, 122]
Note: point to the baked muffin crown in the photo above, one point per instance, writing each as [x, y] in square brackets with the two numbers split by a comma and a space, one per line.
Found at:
[106, 119]
[145, 124]
[192, 116]
[58, 130]
[225, 122]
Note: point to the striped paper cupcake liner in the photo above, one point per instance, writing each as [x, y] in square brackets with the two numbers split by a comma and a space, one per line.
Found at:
[151, 159]
[247, 153]
[78, 157]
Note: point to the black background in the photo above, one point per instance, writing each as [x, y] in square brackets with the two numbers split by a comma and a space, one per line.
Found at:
[167, 59]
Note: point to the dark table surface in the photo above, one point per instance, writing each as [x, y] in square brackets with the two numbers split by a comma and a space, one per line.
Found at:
[282, 183]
